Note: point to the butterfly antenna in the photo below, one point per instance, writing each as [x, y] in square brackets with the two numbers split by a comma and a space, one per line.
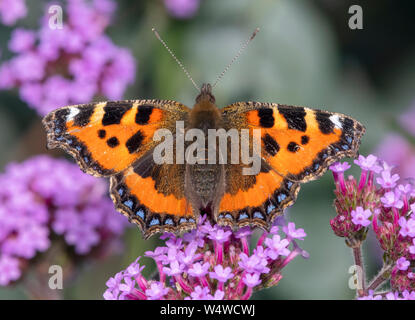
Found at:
[175, 58]
[236, 57]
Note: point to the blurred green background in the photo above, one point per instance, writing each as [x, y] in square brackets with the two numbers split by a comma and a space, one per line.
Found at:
[305, 54]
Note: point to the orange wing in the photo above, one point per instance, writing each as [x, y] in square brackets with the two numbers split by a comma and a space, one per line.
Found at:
[297, 145]
[115, 139]
[152, 196]
[107, 137]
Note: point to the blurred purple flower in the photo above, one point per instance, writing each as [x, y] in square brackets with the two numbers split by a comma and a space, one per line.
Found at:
[9, 269]
[42, 196]
[219, 269]
[406, 119]
[396, 149]
[22, 40]
[182, 9]
[11, 11]
[57, 67]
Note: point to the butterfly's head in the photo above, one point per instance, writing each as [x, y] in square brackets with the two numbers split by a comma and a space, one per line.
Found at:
[206, 94]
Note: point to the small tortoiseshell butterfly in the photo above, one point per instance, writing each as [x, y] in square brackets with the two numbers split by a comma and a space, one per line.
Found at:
[115, 139]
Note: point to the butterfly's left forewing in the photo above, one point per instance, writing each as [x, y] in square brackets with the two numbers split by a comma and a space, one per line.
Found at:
[297, 145]
[107, 137]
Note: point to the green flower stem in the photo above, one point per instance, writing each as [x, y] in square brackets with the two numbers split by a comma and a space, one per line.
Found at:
[357, 254]
[380, 278]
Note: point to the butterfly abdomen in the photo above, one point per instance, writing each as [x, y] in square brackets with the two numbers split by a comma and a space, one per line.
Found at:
[203, 179]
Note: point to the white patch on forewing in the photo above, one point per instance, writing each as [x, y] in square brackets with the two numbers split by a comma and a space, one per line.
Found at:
[336, 121]
[72, 114]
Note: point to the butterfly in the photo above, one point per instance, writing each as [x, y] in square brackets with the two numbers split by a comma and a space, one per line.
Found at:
[116, 139]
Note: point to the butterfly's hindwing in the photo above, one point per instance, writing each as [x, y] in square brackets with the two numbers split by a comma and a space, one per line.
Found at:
[152, 196]
[255, 199]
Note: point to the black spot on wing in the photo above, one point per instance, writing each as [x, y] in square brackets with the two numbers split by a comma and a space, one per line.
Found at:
[295, 117]
[293, 147]
[305, 139]
[113, 142]
[84, 116]
[102, 133]
[325, 125]
[114, 111]
[271, 146]
[266, 117]
[143, 114]
[134, 142]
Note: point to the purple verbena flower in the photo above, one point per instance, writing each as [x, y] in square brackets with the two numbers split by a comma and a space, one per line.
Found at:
[407, 227]
[392, 199]
[53, 68]
[175, 268]
[393, 223]
[198, 269]
[9, 269]
[182, 9]
[188, 270]
[11, 11]
[411, 249]
[200, 293]
[339, 167]
[402, 263]
[277, 247]
[387, 180]
[370, 163]
[22, 40]
[256, 262]
[251, 280]
[361, 217]
[221, 274]
[294, 233]
[219, 235]
[46, 198]
[156, 291]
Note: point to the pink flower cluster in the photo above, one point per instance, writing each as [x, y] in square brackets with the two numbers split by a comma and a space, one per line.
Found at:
[54, 67]
[11, 11]
[44, 197]
[209, 263]
[397, 148]
[379, 199]
[182, 9]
